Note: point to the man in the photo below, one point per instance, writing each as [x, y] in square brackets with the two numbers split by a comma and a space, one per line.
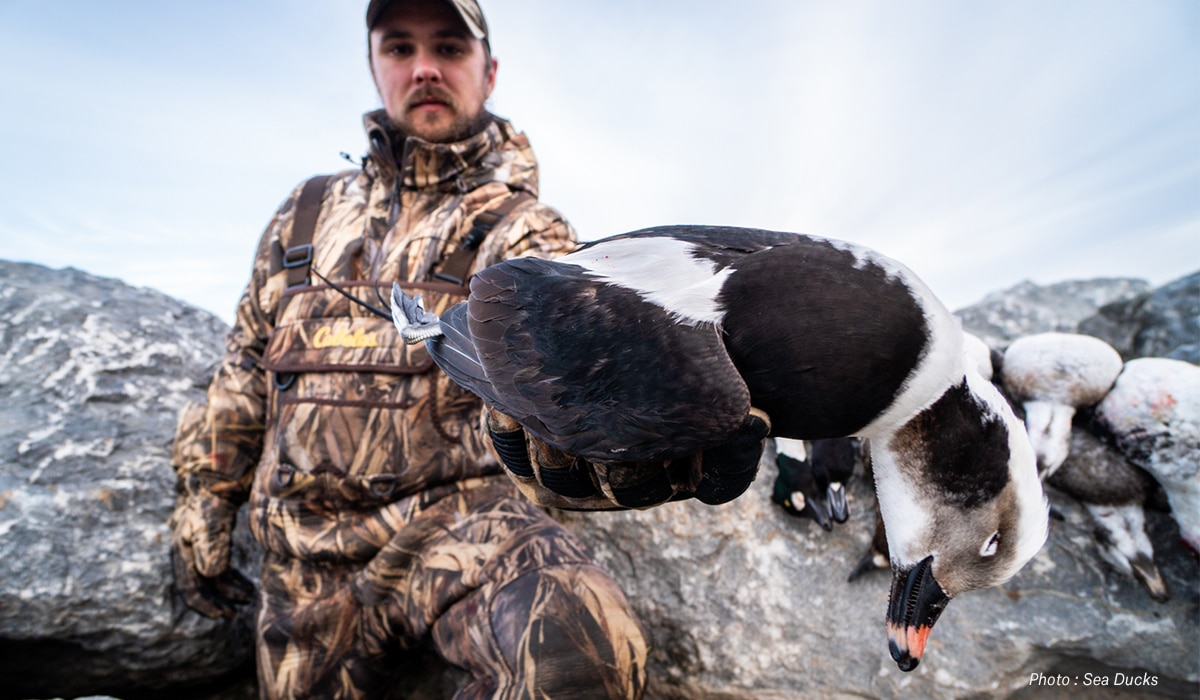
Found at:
[384, 518]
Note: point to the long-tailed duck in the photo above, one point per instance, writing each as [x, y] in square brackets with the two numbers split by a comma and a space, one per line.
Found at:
[1152, 416]
[655, 345]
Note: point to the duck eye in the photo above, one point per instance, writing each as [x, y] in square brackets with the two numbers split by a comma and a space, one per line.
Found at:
[989, 548]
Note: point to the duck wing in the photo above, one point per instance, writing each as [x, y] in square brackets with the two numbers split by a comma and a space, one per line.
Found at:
[591, 368]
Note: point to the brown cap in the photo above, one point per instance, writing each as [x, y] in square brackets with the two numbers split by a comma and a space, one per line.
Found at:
[468, 10]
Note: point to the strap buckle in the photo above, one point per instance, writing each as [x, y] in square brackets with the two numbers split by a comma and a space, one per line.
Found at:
[299, 256]
[382, 485]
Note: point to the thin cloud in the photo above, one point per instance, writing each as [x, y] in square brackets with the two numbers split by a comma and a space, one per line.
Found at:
[980, 143]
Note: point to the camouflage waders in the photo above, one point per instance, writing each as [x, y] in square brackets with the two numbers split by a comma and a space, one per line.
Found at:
[505, 592]
[384, 515]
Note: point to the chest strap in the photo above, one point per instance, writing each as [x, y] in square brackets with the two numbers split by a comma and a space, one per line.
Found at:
[296, 258]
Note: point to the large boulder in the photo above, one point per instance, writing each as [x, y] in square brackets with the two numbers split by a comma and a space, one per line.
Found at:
[1002, 317]
[93, 373]
[1161, 323]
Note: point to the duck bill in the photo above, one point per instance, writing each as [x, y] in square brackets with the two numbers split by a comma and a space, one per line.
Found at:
[1148, 575]
[915, 604]
[819, 511]
[839, 507]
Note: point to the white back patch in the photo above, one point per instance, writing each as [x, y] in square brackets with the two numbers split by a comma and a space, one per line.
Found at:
[663, 271]
[792, 448]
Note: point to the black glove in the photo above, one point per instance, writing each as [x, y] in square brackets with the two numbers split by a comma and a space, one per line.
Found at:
[551, 477]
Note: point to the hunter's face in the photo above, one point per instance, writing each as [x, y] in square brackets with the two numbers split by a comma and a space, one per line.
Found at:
[432, 74]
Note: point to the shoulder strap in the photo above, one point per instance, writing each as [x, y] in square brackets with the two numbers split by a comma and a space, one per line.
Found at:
[458, 264]
[297, 257]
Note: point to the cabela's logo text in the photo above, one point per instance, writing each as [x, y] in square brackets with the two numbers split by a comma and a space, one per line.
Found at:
[326, 337]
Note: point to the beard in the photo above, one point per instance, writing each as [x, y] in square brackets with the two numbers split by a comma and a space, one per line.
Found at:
[433, 129]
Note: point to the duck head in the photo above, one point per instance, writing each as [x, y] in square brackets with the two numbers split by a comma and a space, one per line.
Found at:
[799, 490]
[1049, 428]
[1121, 539]
[962, 506]
[1052, 375]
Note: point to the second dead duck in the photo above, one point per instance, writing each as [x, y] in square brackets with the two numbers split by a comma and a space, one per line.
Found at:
[812, 478]
[1115, 494]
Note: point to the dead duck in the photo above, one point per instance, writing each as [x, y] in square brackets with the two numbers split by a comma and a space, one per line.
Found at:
[812, 478]
[825, 338]
[1115, 493]
[1152, 417]
[1052, 375]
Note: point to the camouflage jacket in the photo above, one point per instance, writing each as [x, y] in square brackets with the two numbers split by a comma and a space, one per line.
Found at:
[318, 414]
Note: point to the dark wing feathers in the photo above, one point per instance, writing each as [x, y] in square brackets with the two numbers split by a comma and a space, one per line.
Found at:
[570, 360]
[455, 354]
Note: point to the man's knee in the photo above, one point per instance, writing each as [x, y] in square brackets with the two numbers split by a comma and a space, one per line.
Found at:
[569, 631]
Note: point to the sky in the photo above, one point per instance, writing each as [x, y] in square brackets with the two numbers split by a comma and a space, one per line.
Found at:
[981, 143]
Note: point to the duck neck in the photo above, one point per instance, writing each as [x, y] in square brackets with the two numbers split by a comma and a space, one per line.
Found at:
[942, 365]
[899, 500]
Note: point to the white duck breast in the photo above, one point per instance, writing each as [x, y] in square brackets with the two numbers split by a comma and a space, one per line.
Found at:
[1152, 416]
[1052, 375]
[656, 344]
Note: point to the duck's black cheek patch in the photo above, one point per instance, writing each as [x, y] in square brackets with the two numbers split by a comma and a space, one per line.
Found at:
[963, 448]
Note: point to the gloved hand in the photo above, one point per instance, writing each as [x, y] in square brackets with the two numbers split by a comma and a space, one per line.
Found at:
[528, 461]
[201, 544]
[550, 477]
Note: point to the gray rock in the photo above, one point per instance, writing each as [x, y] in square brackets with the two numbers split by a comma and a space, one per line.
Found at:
[93, 373]
[1002, 317]
[742, 600]
[1162, 323]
